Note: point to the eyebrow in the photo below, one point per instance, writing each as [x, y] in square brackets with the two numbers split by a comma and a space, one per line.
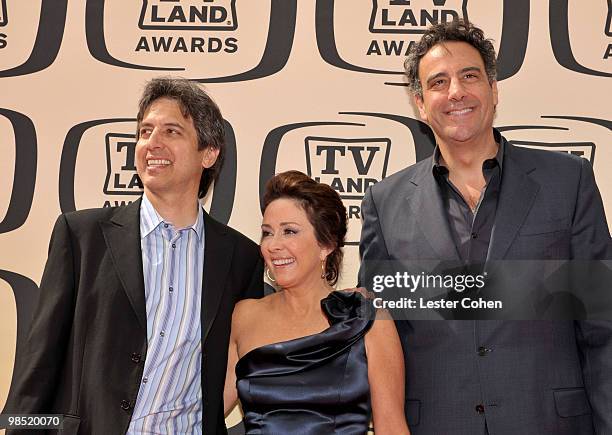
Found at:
[282, 224]
[444, 74]
[165, 124]
[470, 68]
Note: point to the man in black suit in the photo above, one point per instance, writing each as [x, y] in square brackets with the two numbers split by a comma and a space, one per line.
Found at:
[481, 200]
[131, 331]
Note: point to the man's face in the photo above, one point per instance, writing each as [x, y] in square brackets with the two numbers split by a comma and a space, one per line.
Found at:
[458, 101]
[167, 157]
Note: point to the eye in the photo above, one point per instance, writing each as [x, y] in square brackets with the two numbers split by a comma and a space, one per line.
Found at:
[437, 83]
[265, 233]
[144, 132]
[289, 231]
[173, 131]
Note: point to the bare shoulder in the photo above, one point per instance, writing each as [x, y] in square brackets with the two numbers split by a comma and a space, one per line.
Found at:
[247, 310]
[383, 331]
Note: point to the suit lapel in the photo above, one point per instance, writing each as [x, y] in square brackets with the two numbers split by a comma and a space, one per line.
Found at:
[218, 252]
[517, 195]
[122, 236]
[428, 206]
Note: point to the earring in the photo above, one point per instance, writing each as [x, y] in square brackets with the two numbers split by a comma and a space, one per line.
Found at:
[268, 275]
[323, 272]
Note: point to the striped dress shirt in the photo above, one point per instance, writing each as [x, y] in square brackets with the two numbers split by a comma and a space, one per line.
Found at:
[170, 395]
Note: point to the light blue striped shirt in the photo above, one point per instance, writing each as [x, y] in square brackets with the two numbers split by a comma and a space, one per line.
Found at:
[170, 395]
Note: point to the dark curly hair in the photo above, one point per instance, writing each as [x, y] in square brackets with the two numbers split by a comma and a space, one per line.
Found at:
[323, 207]
[197, 105]
[458, 30]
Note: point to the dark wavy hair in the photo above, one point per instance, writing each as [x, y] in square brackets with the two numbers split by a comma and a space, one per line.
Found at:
[323, 207]
[197, 105]
[458, 30]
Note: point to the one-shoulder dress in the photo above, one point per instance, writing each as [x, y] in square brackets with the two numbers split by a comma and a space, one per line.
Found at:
[316, 384]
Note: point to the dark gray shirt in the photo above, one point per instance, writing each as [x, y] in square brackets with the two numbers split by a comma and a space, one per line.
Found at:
[471, 230]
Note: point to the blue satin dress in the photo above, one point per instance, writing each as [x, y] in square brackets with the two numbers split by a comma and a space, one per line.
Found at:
[312, 385]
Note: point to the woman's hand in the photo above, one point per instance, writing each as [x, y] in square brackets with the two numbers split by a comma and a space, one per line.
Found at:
[364, 292]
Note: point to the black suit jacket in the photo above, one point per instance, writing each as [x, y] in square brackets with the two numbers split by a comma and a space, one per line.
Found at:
[533, 377]
[84, 355]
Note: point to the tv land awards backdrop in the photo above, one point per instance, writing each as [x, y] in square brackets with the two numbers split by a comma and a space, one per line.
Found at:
[314, 85]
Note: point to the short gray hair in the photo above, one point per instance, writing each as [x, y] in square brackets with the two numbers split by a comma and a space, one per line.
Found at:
[458, 30]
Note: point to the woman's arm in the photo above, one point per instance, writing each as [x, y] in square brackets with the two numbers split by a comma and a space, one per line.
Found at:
[230, 393]
[386, 376]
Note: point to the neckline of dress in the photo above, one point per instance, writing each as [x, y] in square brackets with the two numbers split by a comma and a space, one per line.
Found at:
[276, 343]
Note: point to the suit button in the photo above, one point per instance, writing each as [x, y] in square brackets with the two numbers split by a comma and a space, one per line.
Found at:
[125, 405]
[480, 409]
[482, 351]
[136, 358]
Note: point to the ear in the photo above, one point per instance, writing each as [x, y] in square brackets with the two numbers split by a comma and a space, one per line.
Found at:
[325, 251]
[421, 106]
[210, 157]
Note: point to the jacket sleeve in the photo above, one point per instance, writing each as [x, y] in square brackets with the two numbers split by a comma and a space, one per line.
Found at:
[591, 241]
[43, 352]
[590, 232]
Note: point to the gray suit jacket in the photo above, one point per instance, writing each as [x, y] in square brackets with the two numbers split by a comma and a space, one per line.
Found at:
[535, 377]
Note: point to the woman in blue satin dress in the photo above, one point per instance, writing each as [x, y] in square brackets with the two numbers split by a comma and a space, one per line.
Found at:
[308, 359]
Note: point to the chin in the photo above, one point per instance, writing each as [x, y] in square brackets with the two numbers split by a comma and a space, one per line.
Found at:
[461, 135]
[288, 282]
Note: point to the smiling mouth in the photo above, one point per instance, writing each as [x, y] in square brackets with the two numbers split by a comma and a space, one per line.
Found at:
[158, 162]
[460, 112]
[283, 261]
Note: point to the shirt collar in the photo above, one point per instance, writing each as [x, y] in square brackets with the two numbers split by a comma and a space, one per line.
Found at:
[150, 219]
[198, 227]
[499, 139]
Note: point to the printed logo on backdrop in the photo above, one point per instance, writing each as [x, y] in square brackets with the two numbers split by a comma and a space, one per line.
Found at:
[43, 25]
[191, 15]
[414, 16]
[586, 46]
[98, 168]
[349, 166]
[188, 15]
[121, 176]
[3, 13]
[3, 22]
[207, 40]
[608, 28]
[350, 155]
[21, 182]
[575, 135]
[375, 37]
[26, 294]
[580, 149]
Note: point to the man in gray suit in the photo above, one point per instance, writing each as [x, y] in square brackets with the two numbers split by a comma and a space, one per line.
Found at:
[481, 199]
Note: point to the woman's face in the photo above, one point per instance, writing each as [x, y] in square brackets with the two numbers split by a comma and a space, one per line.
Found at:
[289, 245]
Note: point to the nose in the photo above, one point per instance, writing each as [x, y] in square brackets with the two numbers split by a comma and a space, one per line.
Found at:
[274, 243]
[271, 244]
[456, 90]
[154, 139]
